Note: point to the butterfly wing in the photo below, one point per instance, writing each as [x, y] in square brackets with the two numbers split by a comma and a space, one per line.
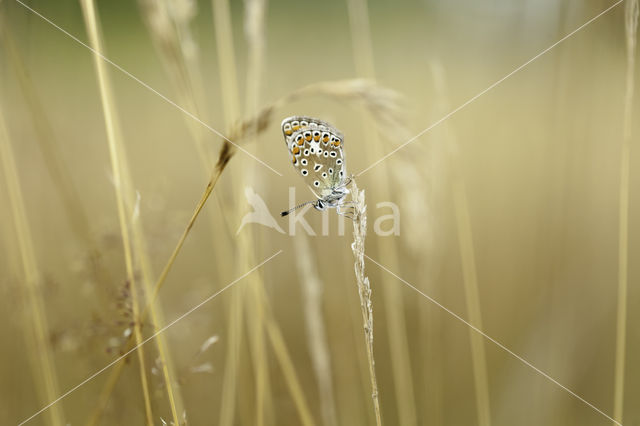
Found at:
[316, 151]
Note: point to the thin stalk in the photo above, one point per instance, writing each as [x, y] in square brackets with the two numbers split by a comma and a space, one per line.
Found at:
[231, 108]
[472, 298]
[355, 90]
[40, 351]
[286, 364]
[467, 255]
[393, 300]
[203, 200]
[226, 60]
[117, 370]
[313, 287]
[171, 34]
[264, 316]
[115, 144]
[47, 141]
[352, 91]
[631, 28]
[229, 381]
[259, 353]
[254, 24]
[364, 290]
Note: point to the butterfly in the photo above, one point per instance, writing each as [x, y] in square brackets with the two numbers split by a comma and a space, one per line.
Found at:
[316, 151]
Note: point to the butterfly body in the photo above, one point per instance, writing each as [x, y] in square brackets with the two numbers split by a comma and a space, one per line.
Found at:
[316, 152]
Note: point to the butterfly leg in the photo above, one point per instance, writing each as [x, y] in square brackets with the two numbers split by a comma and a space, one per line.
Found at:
[347, 211]
[347, 205]
[348, 215]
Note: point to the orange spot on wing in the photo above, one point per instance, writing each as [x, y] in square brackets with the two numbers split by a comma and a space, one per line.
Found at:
[308, 137]
[316, 138]
[288, 132]
[295, 150]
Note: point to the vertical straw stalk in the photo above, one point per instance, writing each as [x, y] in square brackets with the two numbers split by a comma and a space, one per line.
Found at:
[168, 24]
[226, 153]
[312, 287]
[631, 29]
[364, 289]
[133, 244]
[428, 249]
[393, 300]
[69, 196]
[261, 318]
[231, 108]
[467, 255]
[114, 139]
[254, 31]
[37, 339]
[60, 176]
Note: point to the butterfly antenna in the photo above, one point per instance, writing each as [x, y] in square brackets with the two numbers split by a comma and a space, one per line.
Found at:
[286, 212]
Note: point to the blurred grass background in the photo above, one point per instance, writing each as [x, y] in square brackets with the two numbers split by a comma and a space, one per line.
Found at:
[538, 160]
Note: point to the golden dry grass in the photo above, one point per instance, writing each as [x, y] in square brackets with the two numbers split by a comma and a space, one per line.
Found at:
[120, 212]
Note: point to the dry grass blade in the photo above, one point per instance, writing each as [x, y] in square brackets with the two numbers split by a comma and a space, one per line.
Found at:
[38, 343]
[115, 151]
[631, 29]
[364, 289]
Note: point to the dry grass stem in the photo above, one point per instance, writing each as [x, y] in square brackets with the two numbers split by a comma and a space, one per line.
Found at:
[226, 60]
[47, 142]
[39, 347]
[231, 107]
[95, 165]
[383, 117]
[428, 249]
[312, 287]
[169, 26]
[364, 289]
[631, 30]
[288, 369]
[114, 140]
[378, 100]
[254, 31]
[467, 254]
